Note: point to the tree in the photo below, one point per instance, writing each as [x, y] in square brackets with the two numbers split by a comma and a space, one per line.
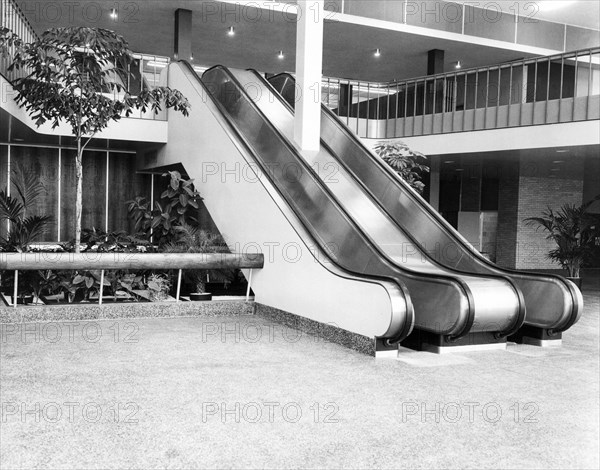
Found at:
[79, 75]
[404, 161]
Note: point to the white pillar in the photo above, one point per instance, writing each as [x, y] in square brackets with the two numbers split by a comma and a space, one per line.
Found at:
[309, 71]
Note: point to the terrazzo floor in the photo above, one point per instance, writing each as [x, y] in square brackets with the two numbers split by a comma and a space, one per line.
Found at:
[242, 392]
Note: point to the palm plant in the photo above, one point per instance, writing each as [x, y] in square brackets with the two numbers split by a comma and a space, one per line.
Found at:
[192, 239]
[574, 230]
[15, 208]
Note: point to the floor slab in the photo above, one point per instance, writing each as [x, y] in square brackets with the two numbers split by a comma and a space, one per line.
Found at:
[243, 392]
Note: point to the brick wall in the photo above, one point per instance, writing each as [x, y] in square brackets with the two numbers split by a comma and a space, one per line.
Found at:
[542, 184]
[508, 205]
[489, 233]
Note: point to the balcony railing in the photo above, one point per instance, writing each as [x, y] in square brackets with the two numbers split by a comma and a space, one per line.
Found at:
[145, 71]
[13, 18]
[544, 90]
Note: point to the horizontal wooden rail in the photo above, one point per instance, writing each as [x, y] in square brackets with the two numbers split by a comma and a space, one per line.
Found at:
[105, 261]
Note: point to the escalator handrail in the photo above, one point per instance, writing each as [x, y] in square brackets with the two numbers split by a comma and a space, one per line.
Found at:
[521, 313]
[440, 278]
[408, 323]
[458, 238]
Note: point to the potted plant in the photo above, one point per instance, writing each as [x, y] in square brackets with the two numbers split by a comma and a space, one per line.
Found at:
[194, 240]
[159, 286]
[573, 230]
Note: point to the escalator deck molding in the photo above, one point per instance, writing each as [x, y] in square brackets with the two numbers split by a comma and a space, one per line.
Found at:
[316, 330]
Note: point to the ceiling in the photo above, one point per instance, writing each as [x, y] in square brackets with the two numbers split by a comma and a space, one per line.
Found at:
[348, 48]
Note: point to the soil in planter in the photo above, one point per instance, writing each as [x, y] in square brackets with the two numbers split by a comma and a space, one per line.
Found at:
[237, 289]
[195, 296]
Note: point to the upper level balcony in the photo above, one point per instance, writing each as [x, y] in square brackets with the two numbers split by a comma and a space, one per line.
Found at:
[545, 90]
[145, 72]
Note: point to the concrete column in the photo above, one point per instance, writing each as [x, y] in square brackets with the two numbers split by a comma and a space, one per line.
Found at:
[309, 71]
[183, 34]
[435, 61]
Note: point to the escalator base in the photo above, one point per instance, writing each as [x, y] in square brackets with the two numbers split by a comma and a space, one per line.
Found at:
[536, 336]
[421, 340]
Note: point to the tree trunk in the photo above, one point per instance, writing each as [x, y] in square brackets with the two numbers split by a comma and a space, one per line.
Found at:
[79, 194]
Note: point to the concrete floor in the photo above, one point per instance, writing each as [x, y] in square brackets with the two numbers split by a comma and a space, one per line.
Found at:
[240, 392]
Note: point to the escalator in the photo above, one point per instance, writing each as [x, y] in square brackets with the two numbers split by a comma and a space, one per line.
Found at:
[490, 307]
[260, 203]
[450, 308]
[553, 304]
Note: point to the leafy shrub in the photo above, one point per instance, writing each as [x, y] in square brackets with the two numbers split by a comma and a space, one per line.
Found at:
[173, 210]
[404, 161]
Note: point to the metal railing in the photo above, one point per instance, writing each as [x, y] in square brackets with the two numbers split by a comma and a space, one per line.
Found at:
[145, 71]
[13, 18]
[544, 90]
[135, 261]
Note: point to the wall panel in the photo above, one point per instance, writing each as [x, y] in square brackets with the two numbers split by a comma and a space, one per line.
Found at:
[42, 162]
[3, 179]
[125, 184]
[490, 24]
[94, 192]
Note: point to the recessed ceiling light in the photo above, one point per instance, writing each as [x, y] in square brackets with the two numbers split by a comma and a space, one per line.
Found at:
[280, 55]
[562, 151]
[231, 31]
[377, 52]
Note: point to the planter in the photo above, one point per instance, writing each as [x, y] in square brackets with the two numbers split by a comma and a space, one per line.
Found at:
[196, 296]
[578, 281]
[25, 300]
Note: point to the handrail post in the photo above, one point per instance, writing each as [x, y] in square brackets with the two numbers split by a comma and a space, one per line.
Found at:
[547, 92]
[562, 78]
[249, 285]
[590, 87]
[575, 87]
[178, 285]
[101, 291]
[16, 288]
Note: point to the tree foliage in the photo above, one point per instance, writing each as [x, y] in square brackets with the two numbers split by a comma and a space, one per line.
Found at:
[79, 75]
[404, 161]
